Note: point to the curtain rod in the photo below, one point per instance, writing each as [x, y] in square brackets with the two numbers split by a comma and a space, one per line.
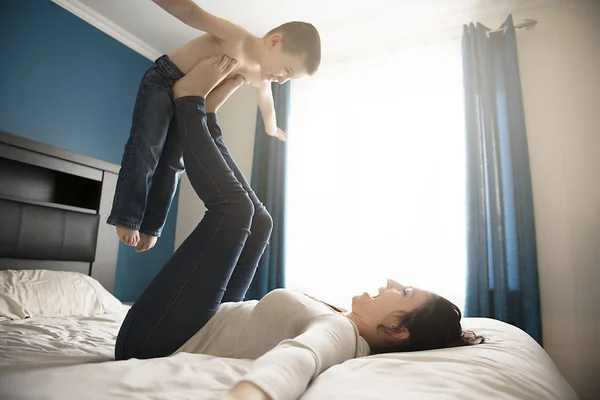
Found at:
[525, 25]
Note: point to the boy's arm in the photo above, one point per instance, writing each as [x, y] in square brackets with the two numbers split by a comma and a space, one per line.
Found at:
[267, 110]
[190, 14]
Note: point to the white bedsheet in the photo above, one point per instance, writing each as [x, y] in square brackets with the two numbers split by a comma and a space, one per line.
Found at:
[510, 366]
[44, 342]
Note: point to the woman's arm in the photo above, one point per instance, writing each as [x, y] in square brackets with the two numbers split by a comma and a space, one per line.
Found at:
[246, 391]
[285, 372]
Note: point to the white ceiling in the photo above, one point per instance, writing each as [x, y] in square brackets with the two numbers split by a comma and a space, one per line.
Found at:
[342, 23]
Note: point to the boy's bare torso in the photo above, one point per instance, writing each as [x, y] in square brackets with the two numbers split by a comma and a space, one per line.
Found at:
[187, 56]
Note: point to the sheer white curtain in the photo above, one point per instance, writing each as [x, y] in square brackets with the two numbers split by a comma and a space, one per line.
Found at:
[376, 184]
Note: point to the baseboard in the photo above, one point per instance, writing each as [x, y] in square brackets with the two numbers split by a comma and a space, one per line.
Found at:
[110, 28]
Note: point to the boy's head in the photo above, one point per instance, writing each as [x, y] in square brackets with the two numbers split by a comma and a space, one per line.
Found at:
[292, 51]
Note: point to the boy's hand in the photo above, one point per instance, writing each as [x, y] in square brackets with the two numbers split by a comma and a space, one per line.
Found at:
[281, 135]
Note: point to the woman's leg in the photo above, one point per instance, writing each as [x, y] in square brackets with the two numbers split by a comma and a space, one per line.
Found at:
[188, 290]
[262, 223]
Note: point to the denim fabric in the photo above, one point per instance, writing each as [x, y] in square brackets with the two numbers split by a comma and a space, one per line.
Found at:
[269, 180]
[152, 161]
[262, 225]
[216, 262]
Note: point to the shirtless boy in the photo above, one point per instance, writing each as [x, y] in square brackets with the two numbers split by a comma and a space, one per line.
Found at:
[152, 161]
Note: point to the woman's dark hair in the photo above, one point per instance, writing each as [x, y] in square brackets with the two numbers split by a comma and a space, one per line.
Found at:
[434, 325]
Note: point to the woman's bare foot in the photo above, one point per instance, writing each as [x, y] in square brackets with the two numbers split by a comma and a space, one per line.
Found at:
[146, 242]
[221, 93]
[130, 237]
[204, 77]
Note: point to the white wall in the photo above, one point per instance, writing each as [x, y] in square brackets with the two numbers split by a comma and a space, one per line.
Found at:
[237, 118]
[560, 74]
[560, 70]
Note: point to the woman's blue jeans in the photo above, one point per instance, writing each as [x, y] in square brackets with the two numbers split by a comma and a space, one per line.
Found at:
[217, 262]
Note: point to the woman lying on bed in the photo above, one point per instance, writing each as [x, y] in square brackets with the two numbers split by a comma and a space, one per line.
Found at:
[195, 302]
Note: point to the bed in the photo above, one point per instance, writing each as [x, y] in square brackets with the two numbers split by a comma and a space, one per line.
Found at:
[71, 358]
[59, 320]
[53, 208]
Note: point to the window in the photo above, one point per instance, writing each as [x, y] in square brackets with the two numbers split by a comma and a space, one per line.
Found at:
[376, 176]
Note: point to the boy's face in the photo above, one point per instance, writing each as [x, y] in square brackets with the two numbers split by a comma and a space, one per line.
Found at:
[279, 66]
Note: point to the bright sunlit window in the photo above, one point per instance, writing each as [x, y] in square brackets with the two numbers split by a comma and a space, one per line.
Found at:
[376, 176]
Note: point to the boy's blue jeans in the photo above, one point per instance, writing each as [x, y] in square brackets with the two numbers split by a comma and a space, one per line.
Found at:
[152, 162]
[217, 262]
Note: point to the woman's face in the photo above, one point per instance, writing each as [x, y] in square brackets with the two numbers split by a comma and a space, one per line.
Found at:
[391, 302]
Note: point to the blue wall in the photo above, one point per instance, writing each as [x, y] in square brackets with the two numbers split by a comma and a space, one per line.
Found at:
[65, 83]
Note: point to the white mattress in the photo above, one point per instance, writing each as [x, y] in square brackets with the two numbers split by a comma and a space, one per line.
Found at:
[44, 342]
[510, 366]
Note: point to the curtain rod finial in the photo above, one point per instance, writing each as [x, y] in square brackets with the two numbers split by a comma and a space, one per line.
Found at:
[528, 24]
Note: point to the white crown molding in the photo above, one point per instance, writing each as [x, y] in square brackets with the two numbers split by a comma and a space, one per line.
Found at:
[110, 28]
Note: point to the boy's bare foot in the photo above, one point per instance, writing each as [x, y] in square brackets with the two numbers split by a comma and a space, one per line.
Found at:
[221, 93]
[146, 242]
[204, 76]
[130, 237]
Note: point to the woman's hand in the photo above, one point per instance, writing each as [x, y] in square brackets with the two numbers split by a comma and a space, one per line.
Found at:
[246, 391]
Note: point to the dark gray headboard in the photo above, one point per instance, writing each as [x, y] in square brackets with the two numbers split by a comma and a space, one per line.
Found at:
[53, 210]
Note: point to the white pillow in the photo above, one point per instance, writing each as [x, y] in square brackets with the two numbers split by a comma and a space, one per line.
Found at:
[44, 293]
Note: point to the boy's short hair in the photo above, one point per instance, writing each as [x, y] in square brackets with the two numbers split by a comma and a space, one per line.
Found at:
[302, 39]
